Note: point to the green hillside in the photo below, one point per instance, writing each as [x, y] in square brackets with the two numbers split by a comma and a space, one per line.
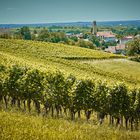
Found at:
[39, 104]
[45, 50]
[81, 62]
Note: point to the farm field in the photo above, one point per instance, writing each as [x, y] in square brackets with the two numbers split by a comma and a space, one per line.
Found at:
[81, 62]
[45, 50]
[69, 70]
[123, 67]
[27, 121]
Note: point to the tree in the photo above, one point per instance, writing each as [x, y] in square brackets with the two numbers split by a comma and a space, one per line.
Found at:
[2, 78]
[119, 102]
[55, 89]
[74, 38]
[95, 41]
[85, 44]
[83, 97]
[32, 88]
[110, 43]
[25, 32]
[44, 35]
[136, 110]
[101, 103]
[11, 83]
[54, 37]
[67, 97]
[133, 47]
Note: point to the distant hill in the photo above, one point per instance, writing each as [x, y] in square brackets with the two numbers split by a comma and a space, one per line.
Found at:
[135, 23]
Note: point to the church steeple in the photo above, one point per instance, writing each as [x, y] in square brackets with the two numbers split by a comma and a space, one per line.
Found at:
[94, 28]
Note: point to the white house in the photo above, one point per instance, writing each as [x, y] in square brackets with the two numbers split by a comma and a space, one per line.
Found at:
[106, 36]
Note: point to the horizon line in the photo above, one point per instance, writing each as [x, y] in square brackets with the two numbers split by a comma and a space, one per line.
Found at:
[70, 22]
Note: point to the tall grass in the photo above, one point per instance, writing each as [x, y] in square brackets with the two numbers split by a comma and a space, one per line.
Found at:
[18, 126]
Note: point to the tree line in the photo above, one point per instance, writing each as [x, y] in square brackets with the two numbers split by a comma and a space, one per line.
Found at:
[47, 35]
[56, 94]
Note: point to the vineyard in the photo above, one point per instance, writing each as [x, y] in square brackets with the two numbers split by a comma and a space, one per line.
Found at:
[69, 60]
[45, 50]
[59, 81]
[68, 95]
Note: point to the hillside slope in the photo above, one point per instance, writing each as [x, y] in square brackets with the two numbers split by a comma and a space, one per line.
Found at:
[68, 59]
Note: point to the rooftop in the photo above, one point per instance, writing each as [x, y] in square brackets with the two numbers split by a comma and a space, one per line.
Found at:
[105, 34]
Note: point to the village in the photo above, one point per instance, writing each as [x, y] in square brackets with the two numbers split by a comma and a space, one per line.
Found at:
[92, 37]
[107, 37]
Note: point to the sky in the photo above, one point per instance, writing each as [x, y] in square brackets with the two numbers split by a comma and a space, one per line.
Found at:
[52, 11]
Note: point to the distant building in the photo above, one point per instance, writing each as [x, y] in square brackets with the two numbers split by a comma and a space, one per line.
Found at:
[69, 34]
[79, 36]
[120, 48]
[111, 49]
[94, 28]
[106, 36]
[126, 39]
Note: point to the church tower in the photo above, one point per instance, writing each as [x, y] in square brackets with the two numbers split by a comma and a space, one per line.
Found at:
[94, 28]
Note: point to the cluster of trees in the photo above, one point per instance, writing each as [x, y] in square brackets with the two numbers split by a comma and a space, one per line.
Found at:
[133, 47]
[60, 37]
[126, 30]
[86, 44]
[60, 95]
[54, 37]
[51, 36]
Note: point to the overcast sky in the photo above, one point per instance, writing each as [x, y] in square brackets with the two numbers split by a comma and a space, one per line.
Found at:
[48, 11]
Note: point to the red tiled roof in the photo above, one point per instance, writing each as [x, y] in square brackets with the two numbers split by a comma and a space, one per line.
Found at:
[105, 34]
